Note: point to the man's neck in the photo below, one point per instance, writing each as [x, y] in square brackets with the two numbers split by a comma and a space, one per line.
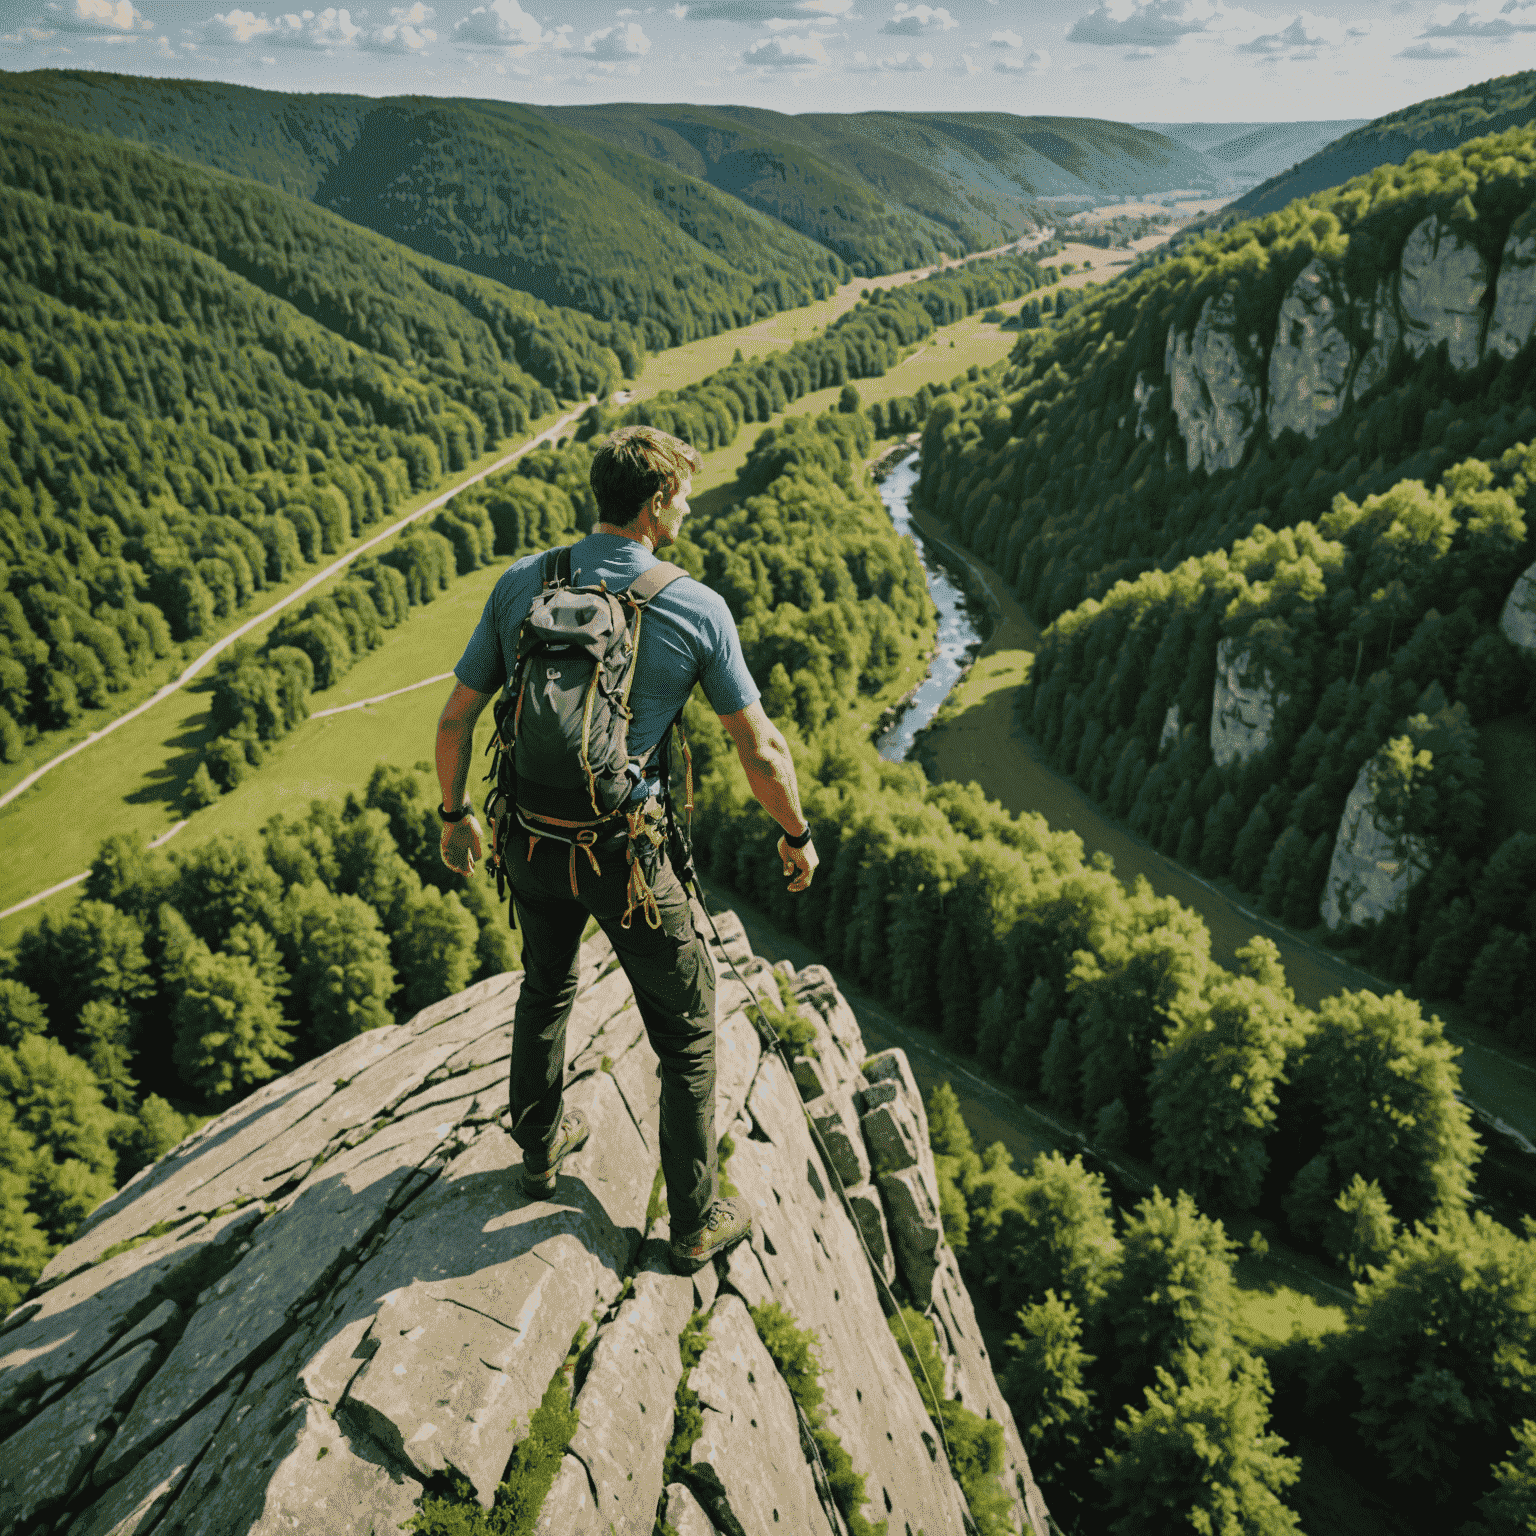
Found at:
[630, 532]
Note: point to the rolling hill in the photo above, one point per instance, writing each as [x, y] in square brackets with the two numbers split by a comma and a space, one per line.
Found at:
[1438, 124]
[1251, 152]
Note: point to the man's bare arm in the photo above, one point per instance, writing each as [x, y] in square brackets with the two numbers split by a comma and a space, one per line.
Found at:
[770, 773]
[455, 748]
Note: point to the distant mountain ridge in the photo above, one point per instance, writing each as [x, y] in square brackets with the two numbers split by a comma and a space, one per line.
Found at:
[1443, 122]
[1250, 152]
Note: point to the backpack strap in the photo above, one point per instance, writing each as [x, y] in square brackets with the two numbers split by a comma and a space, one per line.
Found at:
[647, 584]
[556, 568]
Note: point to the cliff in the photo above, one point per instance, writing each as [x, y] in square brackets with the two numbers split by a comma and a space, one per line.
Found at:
[334, 1299]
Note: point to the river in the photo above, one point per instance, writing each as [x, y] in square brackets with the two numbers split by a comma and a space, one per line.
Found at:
[978, 616]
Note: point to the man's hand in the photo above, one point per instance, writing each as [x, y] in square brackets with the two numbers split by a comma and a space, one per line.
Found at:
[461, 844]
[799, 862]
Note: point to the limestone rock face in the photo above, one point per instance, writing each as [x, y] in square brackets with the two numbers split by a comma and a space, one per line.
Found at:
[349, 1299]
[1309, 365]
[1514, 300]
[1144, 393]
[1214, 386]
[1243, 706]
[1518, 621]
[1170, 732]
[1370, 875]
[1440, 291]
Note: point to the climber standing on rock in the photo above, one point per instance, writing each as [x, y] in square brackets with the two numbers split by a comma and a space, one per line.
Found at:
[594, 649]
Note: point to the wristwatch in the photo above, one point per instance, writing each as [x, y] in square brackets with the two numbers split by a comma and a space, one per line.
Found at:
[448, 816]
[801, 840]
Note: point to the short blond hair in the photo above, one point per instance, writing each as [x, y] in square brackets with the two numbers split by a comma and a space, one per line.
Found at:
[635, 462]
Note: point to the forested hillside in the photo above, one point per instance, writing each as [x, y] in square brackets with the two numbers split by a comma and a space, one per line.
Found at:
[988, 929]
[969, 177]
[209, 384]
[1256, 151]
[1271, 498]
[1441, 123]
[493, 188]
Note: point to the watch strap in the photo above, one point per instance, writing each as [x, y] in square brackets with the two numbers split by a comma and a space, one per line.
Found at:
[452, 816]
[800, 841]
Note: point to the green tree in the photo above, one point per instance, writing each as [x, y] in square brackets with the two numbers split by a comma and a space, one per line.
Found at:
[223, 883]
[1367, 1231]
[338, 958]
[434, 947]
[24, 1246]
[1046, 1384]
[1442, 1353]
[1381, 1081]
[1053, 1231]
[1214, 1093]
[229, 1028]
[152, 1131]
[1199, 1455]
[105, 1039]
[129, 875]
[1173, 1292]
[90, 952]
[1511, 1507]
[21, 1013]
[59, 1107]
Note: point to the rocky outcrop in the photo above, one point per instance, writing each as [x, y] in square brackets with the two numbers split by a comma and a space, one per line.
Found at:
[1518, 620]
[1440, 291]
[1243, 706]
[1372, 872]
[1170, 732]
[1513, 320]
[1214, 385]
[1331, 345]
[334, 1298]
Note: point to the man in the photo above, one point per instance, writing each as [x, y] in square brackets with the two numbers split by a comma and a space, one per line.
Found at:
[641, 478]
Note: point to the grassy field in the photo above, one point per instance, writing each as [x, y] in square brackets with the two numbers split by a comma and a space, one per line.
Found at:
[133, 782]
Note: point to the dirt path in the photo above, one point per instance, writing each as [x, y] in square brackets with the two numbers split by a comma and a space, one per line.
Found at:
[981, 741]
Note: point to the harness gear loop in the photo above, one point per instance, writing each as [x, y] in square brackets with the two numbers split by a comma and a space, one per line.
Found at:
[584, 841]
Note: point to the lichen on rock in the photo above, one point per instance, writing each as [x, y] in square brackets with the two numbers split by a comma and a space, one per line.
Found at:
[1243, 706]
[1372, 871]
[379, 1319]
[1441, 283]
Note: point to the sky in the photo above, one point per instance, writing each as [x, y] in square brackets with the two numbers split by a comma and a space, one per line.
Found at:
[1164, 61]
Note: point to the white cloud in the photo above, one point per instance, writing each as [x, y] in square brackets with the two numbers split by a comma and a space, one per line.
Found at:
[163, 48]
[761, 13]
[323, 30]
[790, 53]
[918, 21]
[616, 44]
[1300, 39]
[1430, 52]
[678, 12]
[501, 24]
[97, 16]
[1006, 40]
[1483, 18]
[967, 66]
[1157, 23]
[407, 32]
[900, 63]
[1035, 62]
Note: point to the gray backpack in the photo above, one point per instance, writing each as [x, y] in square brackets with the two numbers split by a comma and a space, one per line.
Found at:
[563, 768]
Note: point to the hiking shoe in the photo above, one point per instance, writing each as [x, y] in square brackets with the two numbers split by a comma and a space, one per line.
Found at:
[727, 1222]
[539, 1182]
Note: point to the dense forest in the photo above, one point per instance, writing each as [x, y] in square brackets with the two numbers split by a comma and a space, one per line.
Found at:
[1347, 582]
[495, 189]
[208, 386]
[989, 929]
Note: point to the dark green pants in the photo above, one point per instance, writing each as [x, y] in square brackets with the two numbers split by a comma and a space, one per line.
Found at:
[674, 986]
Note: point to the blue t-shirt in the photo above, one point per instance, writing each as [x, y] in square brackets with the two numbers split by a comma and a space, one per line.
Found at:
[688, 636]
